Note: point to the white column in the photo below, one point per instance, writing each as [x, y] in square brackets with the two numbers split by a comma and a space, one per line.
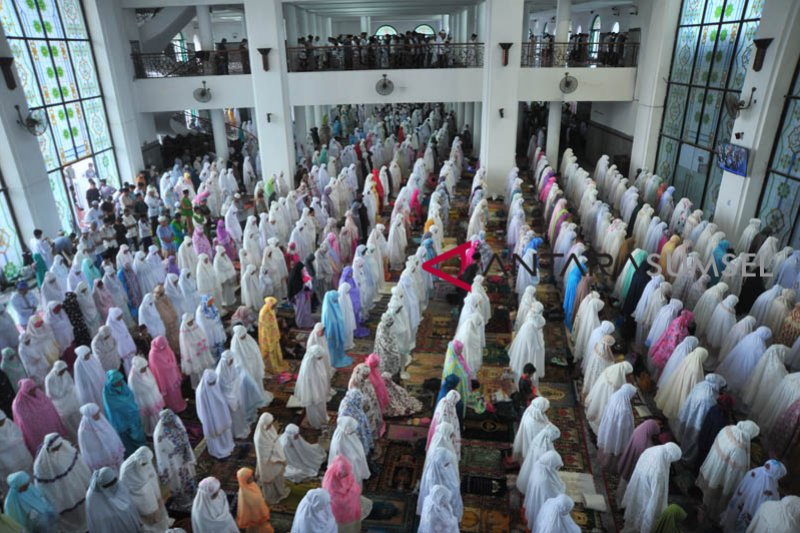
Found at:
[204, 27]
[655, 58]
[738, 197]
[469, 114]
[481, 29]
[554, 111]
[218, 131]
[477, 128]
[302, 22]
[318, 112]
[446, 22]
[270, 89]
[22, 165]
[108, 24]
[300, 125]
[464, 26]
[365, 24]
[500, 87]
[290, 15]
[472, 15]
[309, 113]
[328, 29]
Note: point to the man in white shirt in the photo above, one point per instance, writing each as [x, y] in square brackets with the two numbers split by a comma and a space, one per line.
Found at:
[41, 245]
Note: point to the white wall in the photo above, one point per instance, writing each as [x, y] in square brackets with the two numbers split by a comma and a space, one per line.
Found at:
[404, 25]
[619, 116]
[594, 84]
[175, 94]
[358, 87]
[346, 27]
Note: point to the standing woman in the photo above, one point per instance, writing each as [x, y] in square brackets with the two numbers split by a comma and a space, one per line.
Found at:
[169, 317]
[345, 495]
[175, 458]
[146, 393]
[210, 510]
[333, 320]
[122, 411]
[269, 336]
[167, 375]
[139, 477]
[313, 386]
[79, 328]
[35, 415]
[271, 461]
[252, 512]
[195, 353]
[300, 289]
[214, 414]
[207, 317]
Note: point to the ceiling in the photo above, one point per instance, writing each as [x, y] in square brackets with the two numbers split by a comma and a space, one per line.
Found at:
[384, 8]
[401, 8]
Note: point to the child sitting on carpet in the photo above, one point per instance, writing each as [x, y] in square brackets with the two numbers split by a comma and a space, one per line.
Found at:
[527, 387]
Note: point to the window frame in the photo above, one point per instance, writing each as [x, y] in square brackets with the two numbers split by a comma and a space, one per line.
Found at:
[382, 26]
[79, 101]
[416, 30]
[691, 85]
[594, 36]
[788, 99]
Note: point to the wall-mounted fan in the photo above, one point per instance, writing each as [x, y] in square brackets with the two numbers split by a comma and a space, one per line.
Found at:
[385, 86]
[733, 105]
[202, 94]
[35, 121]
[568, 83]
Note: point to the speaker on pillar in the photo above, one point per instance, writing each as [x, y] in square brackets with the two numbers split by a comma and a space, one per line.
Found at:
[505, 47]
[264, 58]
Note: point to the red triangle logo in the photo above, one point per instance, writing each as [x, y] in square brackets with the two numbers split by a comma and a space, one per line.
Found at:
[428, 266]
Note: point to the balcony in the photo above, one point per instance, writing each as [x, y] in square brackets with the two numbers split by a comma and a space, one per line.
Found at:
[190, 63]
[543, 54]
[382, 57]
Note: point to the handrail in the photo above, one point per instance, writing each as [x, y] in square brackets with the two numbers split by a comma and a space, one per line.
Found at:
[200, 63]
[382, 56]
[577, 53]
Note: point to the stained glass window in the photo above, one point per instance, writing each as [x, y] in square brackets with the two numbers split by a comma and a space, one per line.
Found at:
[55, 63]
[779, 205]
[713, 48]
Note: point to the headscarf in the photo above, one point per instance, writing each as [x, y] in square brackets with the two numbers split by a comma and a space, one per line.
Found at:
[108, 504]
[62, 476]
[212, 408]
[79, 329]
[58, 321]
[139, 476]
[35, 415]
[104, 347]
[759, 485]
[28, 507]
[315, 513]
[303, 460]
[441, 468]
[373, 362]
[122, 411]
[125, 345]
[252, 511]
[13, 368]
[437, 513]
[344, 490]
[554, 516]
[352, 405]
[149, 316]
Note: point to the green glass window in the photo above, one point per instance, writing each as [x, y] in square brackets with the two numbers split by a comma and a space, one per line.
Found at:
[55, 63]
[712, 51]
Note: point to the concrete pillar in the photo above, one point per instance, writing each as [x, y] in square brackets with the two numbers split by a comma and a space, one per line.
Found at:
[500, 87]
[309, 113]
[446, 22]
[655, 59]
[328, 29]
[477, 128]
[318, 112]
[460, 110]
[218, 131]
[738, 196]
[480, 16]
[270, 88]
[472, 15]
[464, 25]
[204, 27]
[365, 24]
[106, 22]
[292, 28]
[300, 127]
[554, 111]
[469, 115]
[23, 168]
